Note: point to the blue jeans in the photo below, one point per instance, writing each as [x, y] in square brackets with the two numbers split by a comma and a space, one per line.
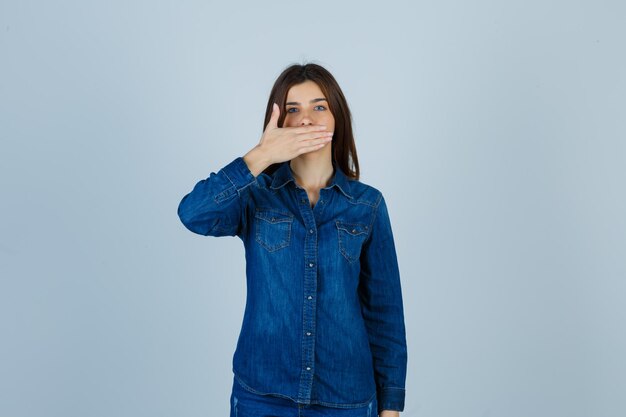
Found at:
[244, 403]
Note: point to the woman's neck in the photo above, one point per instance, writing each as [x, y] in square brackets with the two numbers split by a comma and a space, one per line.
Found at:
[312, 171]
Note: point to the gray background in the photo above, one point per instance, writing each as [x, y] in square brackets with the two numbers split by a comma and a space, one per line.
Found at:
[495, 130]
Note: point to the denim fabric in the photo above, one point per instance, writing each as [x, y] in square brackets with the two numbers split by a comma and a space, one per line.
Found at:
[324, 320]
[244, 402]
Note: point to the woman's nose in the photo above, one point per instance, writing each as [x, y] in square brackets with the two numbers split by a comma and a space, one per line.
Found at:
[306, 120]
[307, 117]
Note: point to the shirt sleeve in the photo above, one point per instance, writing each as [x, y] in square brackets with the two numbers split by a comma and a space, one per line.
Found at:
[381, 305]
[216, 205]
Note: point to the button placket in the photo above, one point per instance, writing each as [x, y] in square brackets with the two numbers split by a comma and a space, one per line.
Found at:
[310, 290]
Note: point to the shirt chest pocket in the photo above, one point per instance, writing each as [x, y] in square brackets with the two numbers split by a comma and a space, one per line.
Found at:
[273, 228]
[351, 237]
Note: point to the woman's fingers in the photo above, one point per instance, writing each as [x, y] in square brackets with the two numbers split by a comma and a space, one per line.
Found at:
[287, 142]
[313, 135]
[304, 130]
[310, 128]
[314, 144]
[273, 122]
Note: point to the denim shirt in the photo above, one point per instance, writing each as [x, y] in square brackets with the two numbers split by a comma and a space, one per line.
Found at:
[324, 320]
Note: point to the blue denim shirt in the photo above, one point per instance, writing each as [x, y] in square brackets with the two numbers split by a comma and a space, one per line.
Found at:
[324, 320]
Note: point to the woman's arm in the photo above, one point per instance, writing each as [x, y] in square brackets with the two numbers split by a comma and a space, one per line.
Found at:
[381, 305]
[216, 205]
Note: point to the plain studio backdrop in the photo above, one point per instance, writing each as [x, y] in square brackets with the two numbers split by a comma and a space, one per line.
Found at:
[496, 131]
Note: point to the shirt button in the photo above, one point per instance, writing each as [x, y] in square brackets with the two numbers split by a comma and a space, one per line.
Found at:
[309, 297]
[308, 333]
[311, 265]
[310, 230]
[308, 368]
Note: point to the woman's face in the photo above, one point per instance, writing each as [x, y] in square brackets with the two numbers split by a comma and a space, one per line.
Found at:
[307, 105]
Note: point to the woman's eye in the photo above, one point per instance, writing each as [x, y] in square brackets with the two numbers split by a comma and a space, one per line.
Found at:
[293, 108]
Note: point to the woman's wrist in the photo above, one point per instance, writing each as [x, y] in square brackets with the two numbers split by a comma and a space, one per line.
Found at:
[257, 160]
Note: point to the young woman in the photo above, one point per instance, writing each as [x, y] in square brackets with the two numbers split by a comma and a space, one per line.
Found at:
[323, 330]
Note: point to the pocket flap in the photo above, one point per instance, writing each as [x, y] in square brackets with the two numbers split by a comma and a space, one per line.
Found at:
[352, 228]
[273, 216]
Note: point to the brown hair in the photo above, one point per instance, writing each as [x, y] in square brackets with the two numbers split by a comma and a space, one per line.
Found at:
[343, 147]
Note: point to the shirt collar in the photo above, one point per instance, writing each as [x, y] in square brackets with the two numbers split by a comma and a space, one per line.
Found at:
[283, 174]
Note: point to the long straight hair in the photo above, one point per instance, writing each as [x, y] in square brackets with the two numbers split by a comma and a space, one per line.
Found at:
[343, 148]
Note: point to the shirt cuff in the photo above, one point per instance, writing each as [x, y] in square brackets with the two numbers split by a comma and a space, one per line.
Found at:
[391, 399]
[238, 173]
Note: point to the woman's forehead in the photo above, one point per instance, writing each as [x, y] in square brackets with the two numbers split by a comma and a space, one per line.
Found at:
[305, 90]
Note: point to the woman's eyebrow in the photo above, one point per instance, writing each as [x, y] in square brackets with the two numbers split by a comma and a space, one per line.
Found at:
[315, 100]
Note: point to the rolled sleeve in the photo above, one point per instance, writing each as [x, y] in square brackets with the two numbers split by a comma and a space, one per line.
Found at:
[239, 174]
[380, 293]
[216, 205]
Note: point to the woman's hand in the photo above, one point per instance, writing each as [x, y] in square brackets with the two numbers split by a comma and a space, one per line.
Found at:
[389, 413]
[280, 144]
